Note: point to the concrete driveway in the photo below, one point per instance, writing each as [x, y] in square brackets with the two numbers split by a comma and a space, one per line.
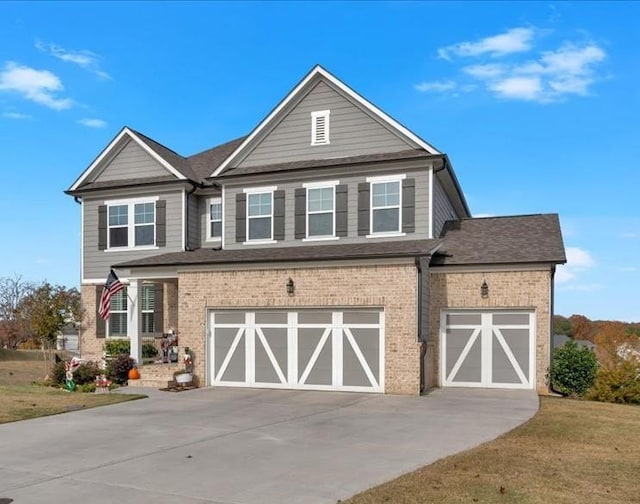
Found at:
[237, 446]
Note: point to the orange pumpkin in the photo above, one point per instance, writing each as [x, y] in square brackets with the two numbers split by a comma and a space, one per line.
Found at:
[134, 374]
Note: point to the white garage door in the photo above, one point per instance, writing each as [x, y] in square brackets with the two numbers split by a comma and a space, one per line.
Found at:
[305, 349]
[488, 349]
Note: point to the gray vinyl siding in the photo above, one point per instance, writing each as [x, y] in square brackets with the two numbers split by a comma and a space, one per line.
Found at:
[352, 132]
[442, 208]
[96, 263]
[193, 221]
[421, 177]
[132, 162]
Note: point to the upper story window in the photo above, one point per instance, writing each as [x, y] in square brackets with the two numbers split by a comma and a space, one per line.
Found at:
[260, 216]
[214, 231]
[321, 209]
[320, 127]
[129, 223]
[386, 206]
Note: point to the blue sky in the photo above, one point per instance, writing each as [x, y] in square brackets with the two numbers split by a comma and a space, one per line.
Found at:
[537, 105]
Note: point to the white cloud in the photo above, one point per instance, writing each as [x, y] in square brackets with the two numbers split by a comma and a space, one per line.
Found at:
[84, 58]
[579, 258]
[628, 236]
[15, 115]
[512, 41]
[39, 86]
[545, 76]
[92, 123]
[583, 287]
[578, 261]
[522, 88]
[437, 86]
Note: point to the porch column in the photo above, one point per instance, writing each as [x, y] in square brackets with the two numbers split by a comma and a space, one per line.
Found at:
[133, 327]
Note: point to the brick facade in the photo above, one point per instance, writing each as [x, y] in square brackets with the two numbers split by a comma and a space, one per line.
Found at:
[507, 289]
[390, 286]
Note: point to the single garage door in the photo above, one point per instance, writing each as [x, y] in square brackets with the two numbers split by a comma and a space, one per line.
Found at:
[488, 349]
[303, 349]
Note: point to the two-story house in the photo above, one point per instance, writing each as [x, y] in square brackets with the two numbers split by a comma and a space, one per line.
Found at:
[330, 249]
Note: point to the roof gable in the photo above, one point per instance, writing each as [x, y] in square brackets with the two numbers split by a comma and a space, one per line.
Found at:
[163, 156]
[307, 85]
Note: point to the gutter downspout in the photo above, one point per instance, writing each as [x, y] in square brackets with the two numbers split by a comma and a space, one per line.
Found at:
[421, 267]
[552, 296]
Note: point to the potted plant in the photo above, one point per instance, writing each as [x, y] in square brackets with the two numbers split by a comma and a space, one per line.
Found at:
[183, 377]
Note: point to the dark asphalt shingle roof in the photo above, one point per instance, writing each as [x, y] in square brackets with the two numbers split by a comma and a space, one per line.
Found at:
[315, 163]
[205, 163]
[500, 240]
[90, 186]
[173, 158]
[494, 240]
[405, 248]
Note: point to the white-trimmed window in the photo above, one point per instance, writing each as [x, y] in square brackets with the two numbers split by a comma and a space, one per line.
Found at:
[147, 308]
[131, 223]
[214, 229]
[260, 215]
[320, 127]
[386, 205]
[117, 323]
[321, 209]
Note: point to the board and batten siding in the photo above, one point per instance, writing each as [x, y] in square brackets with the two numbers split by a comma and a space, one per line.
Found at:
[352, 132]
[442, 208]
[131, 162]
[421, 178]
[96, 263]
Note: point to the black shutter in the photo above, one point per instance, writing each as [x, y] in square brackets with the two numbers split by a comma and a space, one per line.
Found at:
[158, 307]
[301, 213]
[101, 326]
[161, 223]
[341, 210]
[278, 215]
[102, 227]
[363, 208]
[408, 205]
[241, 217]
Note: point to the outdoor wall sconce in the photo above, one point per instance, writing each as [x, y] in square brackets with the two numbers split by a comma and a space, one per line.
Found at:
[484, 290]
[290, 286]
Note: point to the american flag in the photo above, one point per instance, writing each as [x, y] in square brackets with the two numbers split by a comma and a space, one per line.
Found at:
[111, 287]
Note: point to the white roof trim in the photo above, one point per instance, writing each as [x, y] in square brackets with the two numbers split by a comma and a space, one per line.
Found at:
[111, 146]
[318, 70]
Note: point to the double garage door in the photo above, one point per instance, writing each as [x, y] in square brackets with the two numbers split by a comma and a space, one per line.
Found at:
[488, 349]
[303, 349]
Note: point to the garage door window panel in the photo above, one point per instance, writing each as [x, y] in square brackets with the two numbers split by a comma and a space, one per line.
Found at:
[506, 367]
[464, 351]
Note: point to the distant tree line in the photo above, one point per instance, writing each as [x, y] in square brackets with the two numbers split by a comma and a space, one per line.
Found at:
[35, 312]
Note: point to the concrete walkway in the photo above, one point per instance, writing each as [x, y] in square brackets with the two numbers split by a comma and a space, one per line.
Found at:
[237, 446]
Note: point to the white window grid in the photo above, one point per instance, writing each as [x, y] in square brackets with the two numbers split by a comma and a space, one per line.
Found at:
[259, 192]
[211, 220]
[131, 224]
[332, 211]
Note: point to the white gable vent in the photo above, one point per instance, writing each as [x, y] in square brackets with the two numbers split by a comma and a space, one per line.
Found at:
[320, 127]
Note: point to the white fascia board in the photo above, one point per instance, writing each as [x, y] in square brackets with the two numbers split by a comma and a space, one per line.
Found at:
[318, 70]
[112, 145]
